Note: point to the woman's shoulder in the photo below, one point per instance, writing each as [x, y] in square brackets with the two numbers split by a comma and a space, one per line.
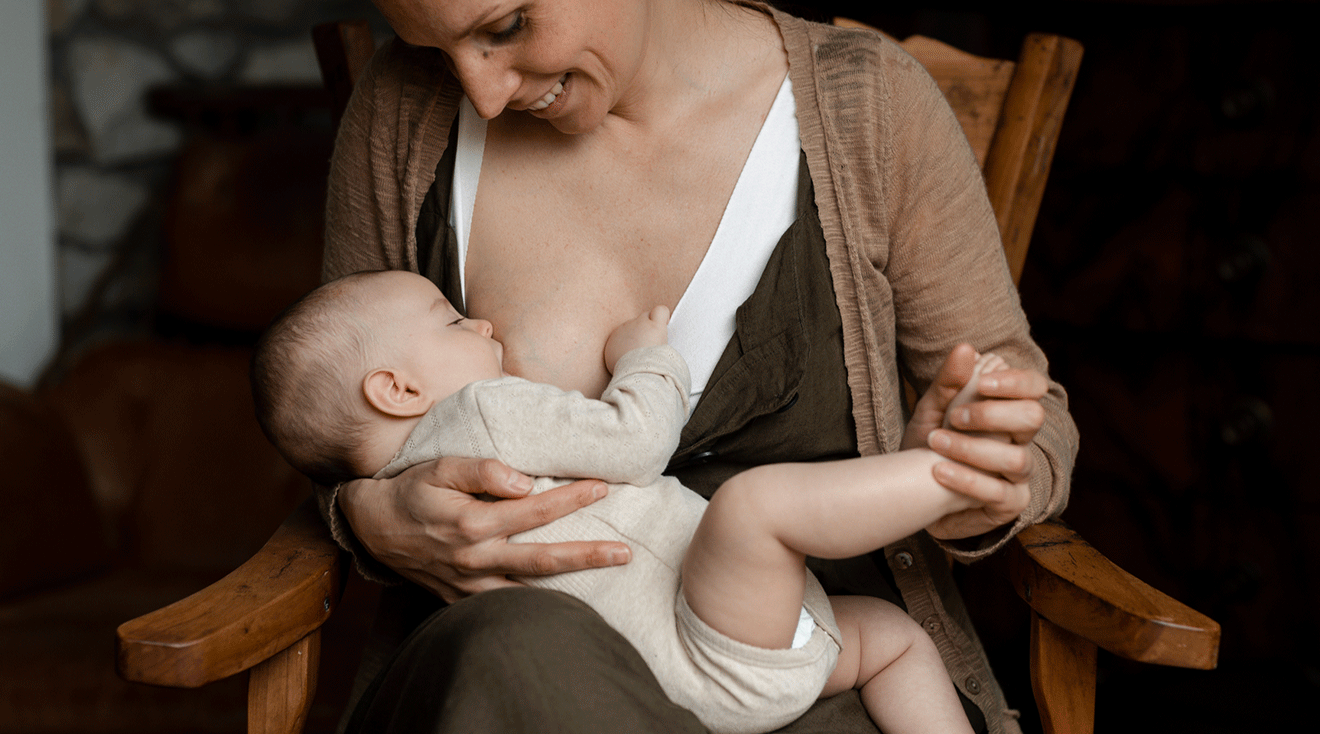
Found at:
[850, 60]
[869, 50]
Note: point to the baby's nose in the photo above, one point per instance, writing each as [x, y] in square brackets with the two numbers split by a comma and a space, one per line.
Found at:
[481, 326]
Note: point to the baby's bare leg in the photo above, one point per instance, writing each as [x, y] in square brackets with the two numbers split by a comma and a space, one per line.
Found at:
[894, 662]
[743, 573]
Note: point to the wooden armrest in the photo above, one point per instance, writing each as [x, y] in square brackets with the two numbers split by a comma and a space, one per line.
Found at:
[1071, 584]
[283, 593]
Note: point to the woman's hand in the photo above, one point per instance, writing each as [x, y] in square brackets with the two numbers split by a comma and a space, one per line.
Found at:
[429, 526]
[988, 469]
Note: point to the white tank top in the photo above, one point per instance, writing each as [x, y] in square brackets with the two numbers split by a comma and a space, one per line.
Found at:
[763, 205]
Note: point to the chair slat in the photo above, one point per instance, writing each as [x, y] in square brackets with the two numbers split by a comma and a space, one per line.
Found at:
[974, 85]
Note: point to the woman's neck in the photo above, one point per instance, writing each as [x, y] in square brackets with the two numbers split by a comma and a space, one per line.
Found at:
[700, 54]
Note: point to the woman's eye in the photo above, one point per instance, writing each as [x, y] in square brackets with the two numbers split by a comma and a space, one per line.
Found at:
[515, 26]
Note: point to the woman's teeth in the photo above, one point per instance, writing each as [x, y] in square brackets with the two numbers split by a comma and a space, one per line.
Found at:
[549, 98]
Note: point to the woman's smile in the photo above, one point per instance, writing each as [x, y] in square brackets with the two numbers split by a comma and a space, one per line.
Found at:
[550, 97]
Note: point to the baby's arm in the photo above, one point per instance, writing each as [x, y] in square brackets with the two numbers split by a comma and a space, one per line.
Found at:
[650, 329]
[627, 436]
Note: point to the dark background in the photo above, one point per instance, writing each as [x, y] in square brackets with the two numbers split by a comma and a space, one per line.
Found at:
[1171, 281]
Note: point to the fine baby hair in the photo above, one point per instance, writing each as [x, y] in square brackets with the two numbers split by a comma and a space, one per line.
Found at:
[304, 377]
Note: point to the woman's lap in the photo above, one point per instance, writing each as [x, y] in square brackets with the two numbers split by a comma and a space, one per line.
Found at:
[513, 660]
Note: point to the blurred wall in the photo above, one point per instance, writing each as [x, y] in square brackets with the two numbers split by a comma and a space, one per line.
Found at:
[28, 326]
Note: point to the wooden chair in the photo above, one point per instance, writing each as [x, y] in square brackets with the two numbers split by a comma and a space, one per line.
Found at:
[265, 616]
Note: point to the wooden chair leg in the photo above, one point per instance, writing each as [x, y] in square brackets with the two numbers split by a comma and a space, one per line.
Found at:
[280, 690]
[1062, 678]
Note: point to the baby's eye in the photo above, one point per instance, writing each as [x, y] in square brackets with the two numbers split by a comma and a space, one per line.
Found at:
[457, 321]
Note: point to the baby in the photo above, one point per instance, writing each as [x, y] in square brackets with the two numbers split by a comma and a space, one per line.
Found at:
[376, 372]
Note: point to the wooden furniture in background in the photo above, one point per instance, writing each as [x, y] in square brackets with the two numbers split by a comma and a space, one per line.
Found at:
[135, 471]
[342, 50]
[1012, 113]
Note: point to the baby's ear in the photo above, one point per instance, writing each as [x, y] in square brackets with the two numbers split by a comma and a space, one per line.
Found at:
[392, 393]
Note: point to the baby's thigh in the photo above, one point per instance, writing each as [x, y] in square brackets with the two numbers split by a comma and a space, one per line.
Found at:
[875, 633]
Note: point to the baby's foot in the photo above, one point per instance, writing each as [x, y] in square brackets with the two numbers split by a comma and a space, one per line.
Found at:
[985, 364]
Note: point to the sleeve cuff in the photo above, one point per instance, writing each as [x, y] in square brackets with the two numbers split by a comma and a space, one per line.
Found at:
[342, 532]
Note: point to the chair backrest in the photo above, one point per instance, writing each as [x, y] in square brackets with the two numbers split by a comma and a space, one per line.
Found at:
[343, 49]
[1011, 114]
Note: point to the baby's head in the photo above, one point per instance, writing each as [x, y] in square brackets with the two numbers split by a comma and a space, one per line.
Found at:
[354, 364]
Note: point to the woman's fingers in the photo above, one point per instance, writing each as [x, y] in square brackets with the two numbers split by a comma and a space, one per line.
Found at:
[992, 491]
[475, 476]
[429, 525]
[484, 529]
[1012, 461]
[508, 517]
[929, 410]
[499, 560]
[1001, 501]
[983, 464]
[1020, 419]
[957, 369]
[547, 559]
[1014, 384]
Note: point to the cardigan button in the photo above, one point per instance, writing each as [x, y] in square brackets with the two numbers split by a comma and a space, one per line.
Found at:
[932, 624]
[791, 402]
[973, 685]
[904, 559]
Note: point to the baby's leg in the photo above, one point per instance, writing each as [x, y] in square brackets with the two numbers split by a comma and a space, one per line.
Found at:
[743, 573]
[887, 655]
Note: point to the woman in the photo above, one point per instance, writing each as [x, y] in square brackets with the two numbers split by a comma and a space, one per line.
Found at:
[802, 199]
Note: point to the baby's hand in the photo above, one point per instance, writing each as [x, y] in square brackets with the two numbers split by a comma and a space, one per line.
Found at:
[651, 329]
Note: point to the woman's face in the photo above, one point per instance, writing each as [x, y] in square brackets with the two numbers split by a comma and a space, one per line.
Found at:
[569, 62]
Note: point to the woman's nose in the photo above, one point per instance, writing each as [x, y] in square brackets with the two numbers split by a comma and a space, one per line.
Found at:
[488, 83]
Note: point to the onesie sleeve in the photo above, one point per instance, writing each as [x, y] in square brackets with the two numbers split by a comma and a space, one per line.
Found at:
[625, 437]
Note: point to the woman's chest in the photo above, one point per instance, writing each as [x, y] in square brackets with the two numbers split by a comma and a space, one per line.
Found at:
[565, 247]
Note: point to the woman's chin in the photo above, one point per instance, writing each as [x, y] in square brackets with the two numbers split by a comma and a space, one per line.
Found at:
[571, 127]
[574, 124]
